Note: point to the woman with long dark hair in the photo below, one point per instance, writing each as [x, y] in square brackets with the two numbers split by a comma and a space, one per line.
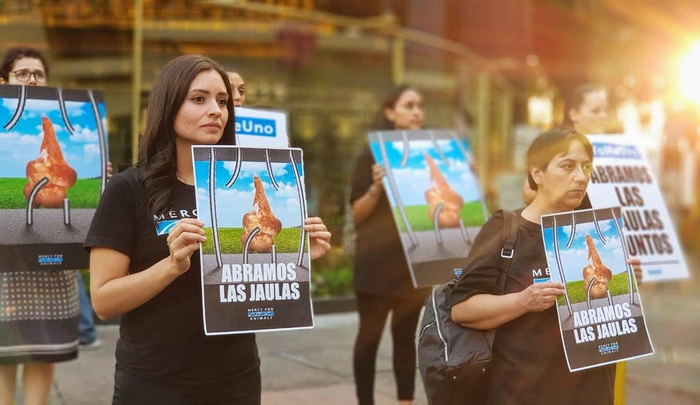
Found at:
[382, 279]
[152, 280]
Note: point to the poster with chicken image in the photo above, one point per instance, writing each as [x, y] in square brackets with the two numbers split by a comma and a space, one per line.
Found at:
[624, 177]
[435, 198]
[255, 261]
[54, 169]
[601, 318]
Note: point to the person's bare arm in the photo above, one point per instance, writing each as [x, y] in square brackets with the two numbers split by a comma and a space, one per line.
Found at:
[364, 206]
[114, 291]
[487, 311]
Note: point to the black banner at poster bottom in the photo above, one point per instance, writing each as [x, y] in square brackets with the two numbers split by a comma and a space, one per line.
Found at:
[54, 256]
[232, 317]
[606, 350]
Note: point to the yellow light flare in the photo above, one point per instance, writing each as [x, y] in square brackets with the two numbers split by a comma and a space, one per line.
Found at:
[690, 74]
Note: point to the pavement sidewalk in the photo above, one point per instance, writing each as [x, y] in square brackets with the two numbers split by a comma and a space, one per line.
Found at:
[311, 367]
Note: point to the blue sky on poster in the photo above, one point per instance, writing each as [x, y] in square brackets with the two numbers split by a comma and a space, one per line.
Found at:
[413, 179]
[234, 202]
[22, 143]
[575, 258]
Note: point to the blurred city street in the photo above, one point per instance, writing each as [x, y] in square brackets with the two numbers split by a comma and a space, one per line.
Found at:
[315, 366]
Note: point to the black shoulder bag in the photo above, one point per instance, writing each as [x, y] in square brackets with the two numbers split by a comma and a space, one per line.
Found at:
[454, 360]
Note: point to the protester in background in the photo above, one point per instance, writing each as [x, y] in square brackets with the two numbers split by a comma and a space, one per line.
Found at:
[24, 66]
[33, 65]
[163, 355]
[29, 334]
[237, 88]
[529, 365]
[586, 111]
[382, 279]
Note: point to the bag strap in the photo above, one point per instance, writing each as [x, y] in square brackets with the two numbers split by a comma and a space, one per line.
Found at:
[510, 237]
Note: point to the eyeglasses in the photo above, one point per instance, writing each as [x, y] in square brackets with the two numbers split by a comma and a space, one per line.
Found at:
[23, 75]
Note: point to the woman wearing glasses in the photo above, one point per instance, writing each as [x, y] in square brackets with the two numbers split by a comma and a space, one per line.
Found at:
[24, 66]
[43, 329]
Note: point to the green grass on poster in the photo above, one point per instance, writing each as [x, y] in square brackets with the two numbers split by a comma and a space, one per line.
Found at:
[287, 241]
[618, 285]
[471, 213]
[85, 193]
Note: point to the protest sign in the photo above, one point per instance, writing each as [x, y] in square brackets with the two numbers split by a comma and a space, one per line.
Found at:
[622, 177]
[435, 199]
[261, 128]
[54, 169]
[601, 318]
[255, 263]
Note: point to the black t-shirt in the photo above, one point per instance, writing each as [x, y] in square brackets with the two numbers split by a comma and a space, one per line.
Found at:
[380, 263]
[529, 364]
[163, 340]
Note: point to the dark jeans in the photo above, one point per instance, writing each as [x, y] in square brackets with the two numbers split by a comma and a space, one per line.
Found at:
[373, 311]
[86, 322]
[132, 390]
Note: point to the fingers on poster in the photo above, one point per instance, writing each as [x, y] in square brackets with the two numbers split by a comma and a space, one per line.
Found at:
[54, 154]
[255, 262]
[601, 317]
[435, 198]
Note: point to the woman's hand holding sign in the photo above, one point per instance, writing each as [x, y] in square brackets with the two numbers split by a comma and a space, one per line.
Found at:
[183, 240]
[319, 237]
[637, 267]
[377, 179]
[540, 296]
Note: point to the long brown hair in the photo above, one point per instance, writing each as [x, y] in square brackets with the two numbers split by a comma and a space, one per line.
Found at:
[157, 152]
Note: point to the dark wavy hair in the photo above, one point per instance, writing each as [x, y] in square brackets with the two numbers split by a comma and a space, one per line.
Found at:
[551, 143]
[14, 54]
[574, 99]
[390, 100]
[157, 152]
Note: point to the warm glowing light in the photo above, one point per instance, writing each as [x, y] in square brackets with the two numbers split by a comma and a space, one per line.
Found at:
[690, 74]
[540, 110]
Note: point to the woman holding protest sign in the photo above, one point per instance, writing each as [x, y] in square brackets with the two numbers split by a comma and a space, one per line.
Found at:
[529, 364]
[152, 280]
[586, 111]
[382, 279]
[39, 309]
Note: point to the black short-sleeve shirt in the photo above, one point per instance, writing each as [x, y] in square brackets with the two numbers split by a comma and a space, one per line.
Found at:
[380, 263]
[163, 340]
[529, 364]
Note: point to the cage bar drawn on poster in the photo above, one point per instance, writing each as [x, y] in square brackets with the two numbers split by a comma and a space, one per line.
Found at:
[54, 170]
[256, 267]
[600, 315]
[434, 196]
